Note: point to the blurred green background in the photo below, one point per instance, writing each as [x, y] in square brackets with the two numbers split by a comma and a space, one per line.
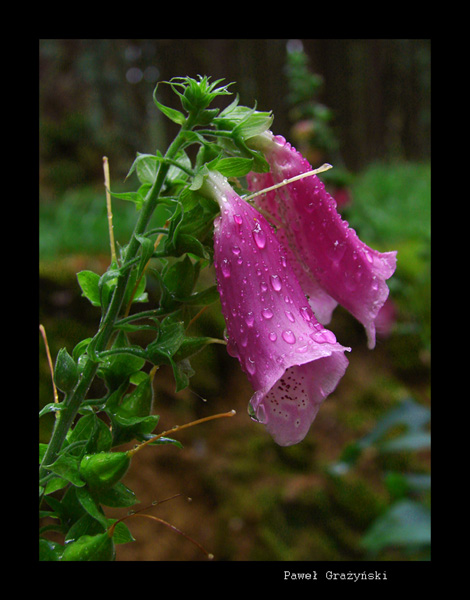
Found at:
[358, 487]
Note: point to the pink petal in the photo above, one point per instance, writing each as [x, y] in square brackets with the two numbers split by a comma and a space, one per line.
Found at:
[292, 362]
[320, 301]
[346, 268]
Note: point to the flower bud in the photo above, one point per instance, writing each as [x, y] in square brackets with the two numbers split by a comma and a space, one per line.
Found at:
[103, 470]
[65, 371]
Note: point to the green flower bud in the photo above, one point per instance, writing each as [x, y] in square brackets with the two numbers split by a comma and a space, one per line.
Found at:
[65, 371]
[90, 547]
[103, 470]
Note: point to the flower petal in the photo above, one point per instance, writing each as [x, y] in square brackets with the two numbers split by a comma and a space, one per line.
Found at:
[346, 268]
[271, 329]
[320, 301]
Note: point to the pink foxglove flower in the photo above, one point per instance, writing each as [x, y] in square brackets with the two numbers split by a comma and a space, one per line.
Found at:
[332, 254]
[292, 362]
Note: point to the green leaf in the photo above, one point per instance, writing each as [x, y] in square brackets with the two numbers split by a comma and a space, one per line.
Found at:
[122, 535]
[89, 284]
[94, 432]
[51, 407]
[67, 467]
[169, 339]
[406, 523]
[54, 484]
[182, 371]
[136, 197]
[243, 121]
[85, 525]
[49, 550]
[174, 115]
[254, 124]
[116, 369]
[204, 297]
[80, 348]
[232, 166]
[146, 167]
[184, 243]
[193, 345]
[87, 501]
[117, 496]
[126, 429]
[178, 280]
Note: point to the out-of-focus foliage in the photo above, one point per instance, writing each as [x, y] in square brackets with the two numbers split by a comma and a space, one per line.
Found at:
[391, 209]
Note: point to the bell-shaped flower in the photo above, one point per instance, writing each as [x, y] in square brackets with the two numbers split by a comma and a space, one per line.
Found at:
[292, 362]
[333, 256]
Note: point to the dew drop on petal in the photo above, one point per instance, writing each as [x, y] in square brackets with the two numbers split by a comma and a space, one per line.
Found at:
[290, 316]
[225, 266]
[250, 366]
[267, 313]
[259, 236]
[276, 282]
[323, 337]
[238, 220]
[272, 336]
[288, 336]
[250, 319]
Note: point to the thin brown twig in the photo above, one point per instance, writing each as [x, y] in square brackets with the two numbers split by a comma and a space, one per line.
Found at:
[49, 360]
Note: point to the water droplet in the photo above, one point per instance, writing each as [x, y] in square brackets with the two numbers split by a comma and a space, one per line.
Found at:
[272, 336]
[267, 313]
[358, 274]
[323, 337]
[236, 250]
[290, 316]
[250, 319]
[302, 349]
[259, 236]
[263, 286]
[225, 266]
[306, 313]
[250, 366]
[238, 220]
[261, 414]
[288, 336]
[276, 282]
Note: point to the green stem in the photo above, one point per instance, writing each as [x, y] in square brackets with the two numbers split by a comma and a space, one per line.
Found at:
[73, 400]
